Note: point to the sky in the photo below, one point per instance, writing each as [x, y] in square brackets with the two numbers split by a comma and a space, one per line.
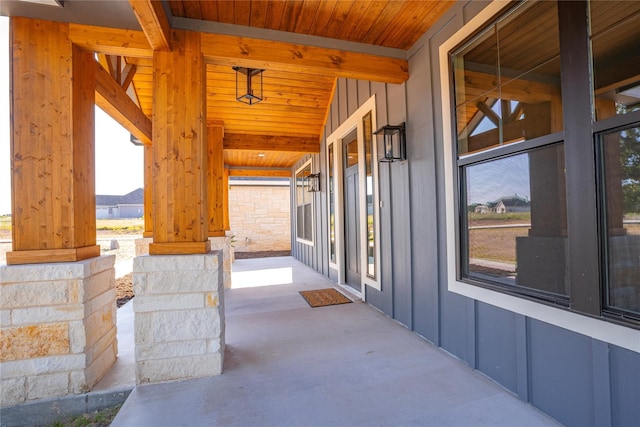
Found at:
[119, 164]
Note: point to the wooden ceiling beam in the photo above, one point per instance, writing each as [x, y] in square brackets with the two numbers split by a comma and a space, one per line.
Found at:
[110, 41]
[234, 141]
[232, 50]
[113, 99]
[260, 172]
[154, 22]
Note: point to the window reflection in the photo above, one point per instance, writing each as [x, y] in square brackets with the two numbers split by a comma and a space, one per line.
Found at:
[622, 187]
[506, 91]
[515, 224]
[615, 45]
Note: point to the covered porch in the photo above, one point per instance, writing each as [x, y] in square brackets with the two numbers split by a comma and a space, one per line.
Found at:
[289, 364]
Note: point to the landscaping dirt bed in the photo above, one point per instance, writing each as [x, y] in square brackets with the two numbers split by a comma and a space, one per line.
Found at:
[124, 290]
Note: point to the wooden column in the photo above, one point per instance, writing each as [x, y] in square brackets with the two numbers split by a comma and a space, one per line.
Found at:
[52, 145]
[225, 196]
[179, 188]
[148, 194]
[215, 135]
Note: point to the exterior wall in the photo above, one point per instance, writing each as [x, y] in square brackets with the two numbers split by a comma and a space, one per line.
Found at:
[579, 380]
[259, 218]
[119, 211]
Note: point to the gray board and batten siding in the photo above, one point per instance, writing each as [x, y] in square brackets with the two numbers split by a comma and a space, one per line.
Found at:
[577, 379]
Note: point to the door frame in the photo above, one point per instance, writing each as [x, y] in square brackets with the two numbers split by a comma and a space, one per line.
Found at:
[336, 139]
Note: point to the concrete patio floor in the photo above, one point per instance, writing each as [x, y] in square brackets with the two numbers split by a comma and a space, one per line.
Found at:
[287, 364]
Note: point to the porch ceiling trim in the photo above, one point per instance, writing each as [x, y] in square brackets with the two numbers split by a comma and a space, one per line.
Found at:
[271, 143]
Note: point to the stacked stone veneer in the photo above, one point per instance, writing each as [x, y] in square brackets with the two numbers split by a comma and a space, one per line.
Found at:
[260, 218]
[222, 244]
[58, 328]
[179, 316]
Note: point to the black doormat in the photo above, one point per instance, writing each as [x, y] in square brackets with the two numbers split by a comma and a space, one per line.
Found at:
[324, 297]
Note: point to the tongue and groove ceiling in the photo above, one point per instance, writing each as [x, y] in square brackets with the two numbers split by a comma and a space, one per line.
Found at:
[359, 39]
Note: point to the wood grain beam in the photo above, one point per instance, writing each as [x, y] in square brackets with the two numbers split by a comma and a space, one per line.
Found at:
[260, 172]
[154, 23]
[246, 52]
[114, 101]
[234, 141]
[110, 41]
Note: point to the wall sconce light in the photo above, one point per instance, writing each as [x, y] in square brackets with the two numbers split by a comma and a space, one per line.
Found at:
[313, 183]
[394, 143]
[248, 85]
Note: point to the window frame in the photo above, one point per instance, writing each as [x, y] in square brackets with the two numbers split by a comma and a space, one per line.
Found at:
[583, 315]
[309, 164]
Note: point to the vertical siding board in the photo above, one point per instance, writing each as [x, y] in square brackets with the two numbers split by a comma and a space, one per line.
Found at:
[496, 345]
[420, 145]
[522, 357]
[625, 386]
[602, 384]
[561, 373]
[401, 233]
[343, 107]
[352, 96]
[335, 116]
[364, 91]
[452, 308]
[401, 244]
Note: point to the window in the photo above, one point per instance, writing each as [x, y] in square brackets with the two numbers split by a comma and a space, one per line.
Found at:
[513, 221]
[370, 160]
[514, 225]
[332, 207]
[506, 90]
[304, 205]
[544, 163]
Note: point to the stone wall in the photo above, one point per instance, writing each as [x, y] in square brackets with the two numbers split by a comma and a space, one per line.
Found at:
[58, 328]
[179, 316]
[259, 217]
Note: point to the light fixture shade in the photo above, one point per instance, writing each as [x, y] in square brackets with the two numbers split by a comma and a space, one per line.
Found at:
[248, 85]
[394, 146]
[313, 182]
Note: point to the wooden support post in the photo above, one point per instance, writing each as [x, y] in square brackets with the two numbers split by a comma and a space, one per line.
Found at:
[215, 192]
[225, 196]
[148, 194]
[52, 145]
[179, 188]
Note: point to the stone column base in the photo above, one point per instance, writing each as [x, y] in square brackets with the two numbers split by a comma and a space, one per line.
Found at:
[223, 244]
[179, 316]
[142, 245]
[58, 328]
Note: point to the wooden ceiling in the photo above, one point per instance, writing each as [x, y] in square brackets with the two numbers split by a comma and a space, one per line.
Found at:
[268, 138]
[390, 23]
[303, 45]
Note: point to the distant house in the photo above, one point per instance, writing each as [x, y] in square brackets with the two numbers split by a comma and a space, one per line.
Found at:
[512, 204]
[130, 205]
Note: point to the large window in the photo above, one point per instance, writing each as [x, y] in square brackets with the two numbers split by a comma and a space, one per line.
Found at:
[513, 223]
[304, 205]
[546, 157]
